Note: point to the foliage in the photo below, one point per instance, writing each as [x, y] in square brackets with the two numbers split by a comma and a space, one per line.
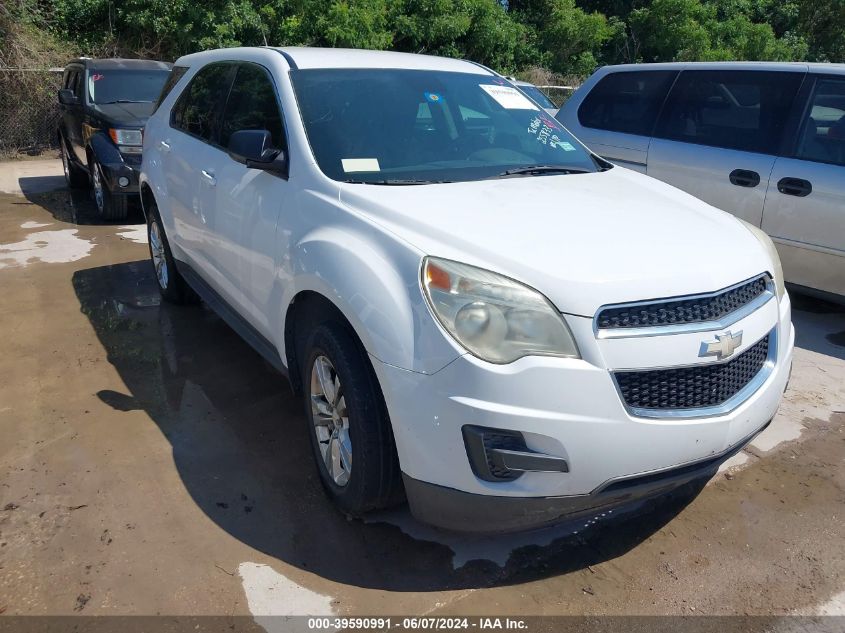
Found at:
[569, 37]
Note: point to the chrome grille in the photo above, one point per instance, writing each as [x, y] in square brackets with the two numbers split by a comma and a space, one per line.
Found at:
[692, 309]
[695, 387]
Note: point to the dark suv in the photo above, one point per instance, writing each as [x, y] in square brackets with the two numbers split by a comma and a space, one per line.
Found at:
[105, 104]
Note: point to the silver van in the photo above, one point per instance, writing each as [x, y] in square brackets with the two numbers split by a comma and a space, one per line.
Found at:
[763, 141]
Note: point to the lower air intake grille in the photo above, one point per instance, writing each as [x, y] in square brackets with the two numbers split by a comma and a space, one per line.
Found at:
[692, 387]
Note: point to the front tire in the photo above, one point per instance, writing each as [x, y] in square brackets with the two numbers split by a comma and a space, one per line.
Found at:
[171, 285]
[350, 431]
[109, 206]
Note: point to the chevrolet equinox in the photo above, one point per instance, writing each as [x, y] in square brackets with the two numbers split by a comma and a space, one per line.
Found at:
[480, 314]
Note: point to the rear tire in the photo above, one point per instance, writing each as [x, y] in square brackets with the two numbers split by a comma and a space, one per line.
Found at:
[171, 284]
[109, 206]
[350, 430]
[75, 176]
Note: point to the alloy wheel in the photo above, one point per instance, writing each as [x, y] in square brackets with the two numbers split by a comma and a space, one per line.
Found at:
[331, 420]
[158, 254]
[99, 195]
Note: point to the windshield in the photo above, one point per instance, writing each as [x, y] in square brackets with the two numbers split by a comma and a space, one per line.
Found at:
[385, 126]
[125, 86]
[535, 93]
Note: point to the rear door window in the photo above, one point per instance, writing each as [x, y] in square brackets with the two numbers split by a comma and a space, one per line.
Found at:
[199, 108]
[822, 136]
[739, 110]
[626, 102]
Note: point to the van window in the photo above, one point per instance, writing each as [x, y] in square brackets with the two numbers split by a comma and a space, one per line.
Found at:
[626, 102]
[198, 110]
[733, 109]
[823, 132]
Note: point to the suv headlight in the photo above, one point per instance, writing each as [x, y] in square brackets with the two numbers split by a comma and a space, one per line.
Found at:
[127, 140]
[494, 317]
[771, 249]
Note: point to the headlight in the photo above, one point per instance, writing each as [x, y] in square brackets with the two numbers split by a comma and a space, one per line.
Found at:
[494, 317]
[769, 245]
[126, 137]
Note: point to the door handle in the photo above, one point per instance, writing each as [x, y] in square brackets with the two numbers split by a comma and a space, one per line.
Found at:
[744, 178]
[164, 146]
[795, 187]
[209, 177]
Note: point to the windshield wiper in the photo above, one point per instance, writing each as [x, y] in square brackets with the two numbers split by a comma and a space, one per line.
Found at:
[127, 101]
[538, 170]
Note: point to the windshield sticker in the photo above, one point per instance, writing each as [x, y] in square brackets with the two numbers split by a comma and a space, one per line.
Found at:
[96, 77]
[360, 164]
[433, 97]
[508, 97]
[545, 130]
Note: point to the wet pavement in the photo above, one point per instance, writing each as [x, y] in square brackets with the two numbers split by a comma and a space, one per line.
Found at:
[152, 463]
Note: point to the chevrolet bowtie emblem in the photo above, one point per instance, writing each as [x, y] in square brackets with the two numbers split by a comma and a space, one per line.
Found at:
[723, 347]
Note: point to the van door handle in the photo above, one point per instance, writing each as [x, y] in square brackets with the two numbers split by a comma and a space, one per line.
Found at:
[209, 177]
[795, 187]
[744, 178]
[164, 146]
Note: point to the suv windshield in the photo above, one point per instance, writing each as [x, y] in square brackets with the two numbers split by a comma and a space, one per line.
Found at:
[125, 86]
[383, 126]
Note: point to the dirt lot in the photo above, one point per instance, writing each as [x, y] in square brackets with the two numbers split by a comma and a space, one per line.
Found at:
[152, 463]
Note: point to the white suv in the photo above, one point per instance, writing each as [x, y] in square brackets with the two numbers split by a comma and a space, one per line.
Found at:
[478, 311]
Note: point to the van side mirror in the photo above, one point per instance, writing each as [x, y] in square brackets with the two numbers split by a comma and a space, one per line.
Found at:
[66, 97]
[254, 149]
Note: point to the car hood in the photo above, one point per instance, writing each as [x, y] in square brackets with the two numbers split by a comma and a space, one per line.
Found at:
[583, 240]
[127, 114]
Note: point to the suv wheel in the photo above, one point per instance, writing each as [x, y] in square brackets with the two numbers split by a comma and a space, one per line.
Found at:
[109, 206]
[350, 430]
[171, 284]
[75, 177]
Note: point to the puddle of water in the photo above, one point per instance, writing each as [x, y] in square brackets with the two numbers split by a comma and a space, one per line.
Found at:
[270, 595]
[51, 247]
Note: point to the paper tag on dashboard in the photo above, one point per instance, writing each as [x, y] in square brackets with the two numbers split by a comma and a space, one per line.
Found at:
[359, 164]
[508, 97]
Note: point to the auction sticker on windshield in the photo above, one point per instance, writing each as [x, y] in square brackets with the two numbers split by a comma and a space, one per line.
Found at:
[509, 98]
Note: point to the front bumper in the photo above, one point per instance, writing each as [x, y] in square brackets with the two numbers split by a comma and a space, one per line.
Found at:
[462, 511]
[570, 409]
[114, 171]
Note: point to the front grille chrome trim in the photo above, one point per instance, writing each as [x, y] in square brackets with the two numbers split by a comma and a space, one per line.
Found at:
[684, 328]
[728, 405]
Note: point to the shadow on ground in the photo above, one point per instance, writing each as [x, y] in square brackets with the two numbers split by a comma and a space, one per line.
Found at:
[819, 325]
[239, 443]
[73, 206]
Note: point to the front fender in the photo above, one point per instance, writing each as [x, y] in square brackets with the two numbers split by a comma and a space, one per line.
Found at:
[376, 286]
[104, 150]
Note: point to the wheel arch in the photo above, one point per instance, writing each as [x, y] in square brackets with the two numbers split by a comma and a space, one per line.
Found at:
[308, 309]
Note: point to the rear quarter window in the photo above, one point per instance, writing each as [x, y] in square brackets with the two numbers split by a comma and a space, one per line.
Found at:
[627, 102]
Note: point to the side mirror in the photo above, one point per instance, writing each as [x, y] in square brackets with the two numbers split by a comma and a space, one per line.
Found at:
[254, 149]
[66, 97]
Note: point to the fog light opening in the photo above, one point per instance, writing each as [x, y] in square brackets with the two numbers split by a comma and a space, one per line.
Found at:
[123, 181]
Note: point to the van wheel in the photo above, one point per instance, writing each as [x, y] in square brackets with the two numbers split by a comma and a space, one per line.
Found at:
[349, 427]
[109, 206]
[75, 177]
[171, 284]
